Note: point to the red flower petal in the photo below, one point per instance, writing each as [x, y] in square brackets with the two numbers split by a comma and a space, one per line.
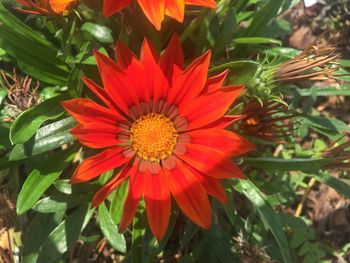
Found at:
[85, 110]
[116, 82]
[104, 192]
[228, 142]
[158, 84]
[99, 92]
[97, 135]
[112, 6]
[211, 185]
[125, 56]
[190, 84]
[224, 121]
[208, 108]
[214, 83]
[175, 9]
[136, 189]
[211, 162]
[157, 198]
[172, 60]
[94, 166]
[154, 11]
[189, 194]
[127, 60]
[205, 3]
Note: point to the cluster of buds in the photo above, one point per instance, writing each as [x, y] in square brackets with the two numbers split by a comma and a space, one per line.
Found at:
[21, 94]
[46, 7]
[267, 120]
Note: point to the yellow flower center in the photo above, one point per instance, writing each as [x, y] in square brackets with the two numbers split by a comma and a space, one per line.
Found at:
[153, 137]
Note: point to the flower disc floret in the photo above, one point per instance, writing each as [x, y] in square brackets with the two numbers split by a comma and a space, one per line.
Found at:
[153, 137]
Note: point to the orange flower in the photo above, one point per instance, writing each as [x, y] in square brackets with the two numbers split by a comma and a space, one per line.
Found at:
[46, 7]
[163, 126]
[156, 10]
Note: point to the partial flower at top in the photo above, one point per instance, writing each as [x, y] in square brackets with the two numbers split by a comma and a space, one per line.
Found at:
[155, 11]
[46, 7]
[164, 127]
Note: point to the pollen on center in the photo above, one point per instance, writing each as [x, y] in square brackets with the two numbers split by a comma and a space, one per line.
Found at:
[153, 137]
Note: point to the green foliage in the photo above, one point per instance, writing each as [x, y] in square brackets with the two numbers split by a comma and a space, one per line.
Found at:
[47, 138]
[26, 125]
[34, 54]
[40, 179]
[267, 215]
[64, 235]
[110, 230]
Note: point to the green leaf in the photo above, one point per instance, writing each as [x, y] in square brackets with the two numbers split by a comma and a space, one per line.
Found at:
[234, 65]
[263, 17]
[227, 30]
[26, 125]
[101, 33]
[48, 205]
[267, 215]
[138, 232]
[35, 234]
[241, 71]
[343, 90]
[110, 230]
[257, 40]
[41, 178]
[36, 55]
[58, 201]
[337, 184]
[47, 138]
[63, 186]
[326, 123]
[118, 200]
[295, 164]
[156, 247]
[215, 245]
[345, 62]
[64, 235]
[283, 52]
[330, 127]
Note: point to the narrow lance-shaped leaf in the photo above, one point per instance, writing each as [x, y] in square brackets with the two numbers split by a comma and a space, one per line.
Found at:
[110, 230]
[35, 234]
[257, 40]
[267, 215]
[41, 178]
[64, 235]
[101, 33]
[295, 164]
[263, 17]
[118, 200]
[36, 55]
[26, 125]
[47, 138]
